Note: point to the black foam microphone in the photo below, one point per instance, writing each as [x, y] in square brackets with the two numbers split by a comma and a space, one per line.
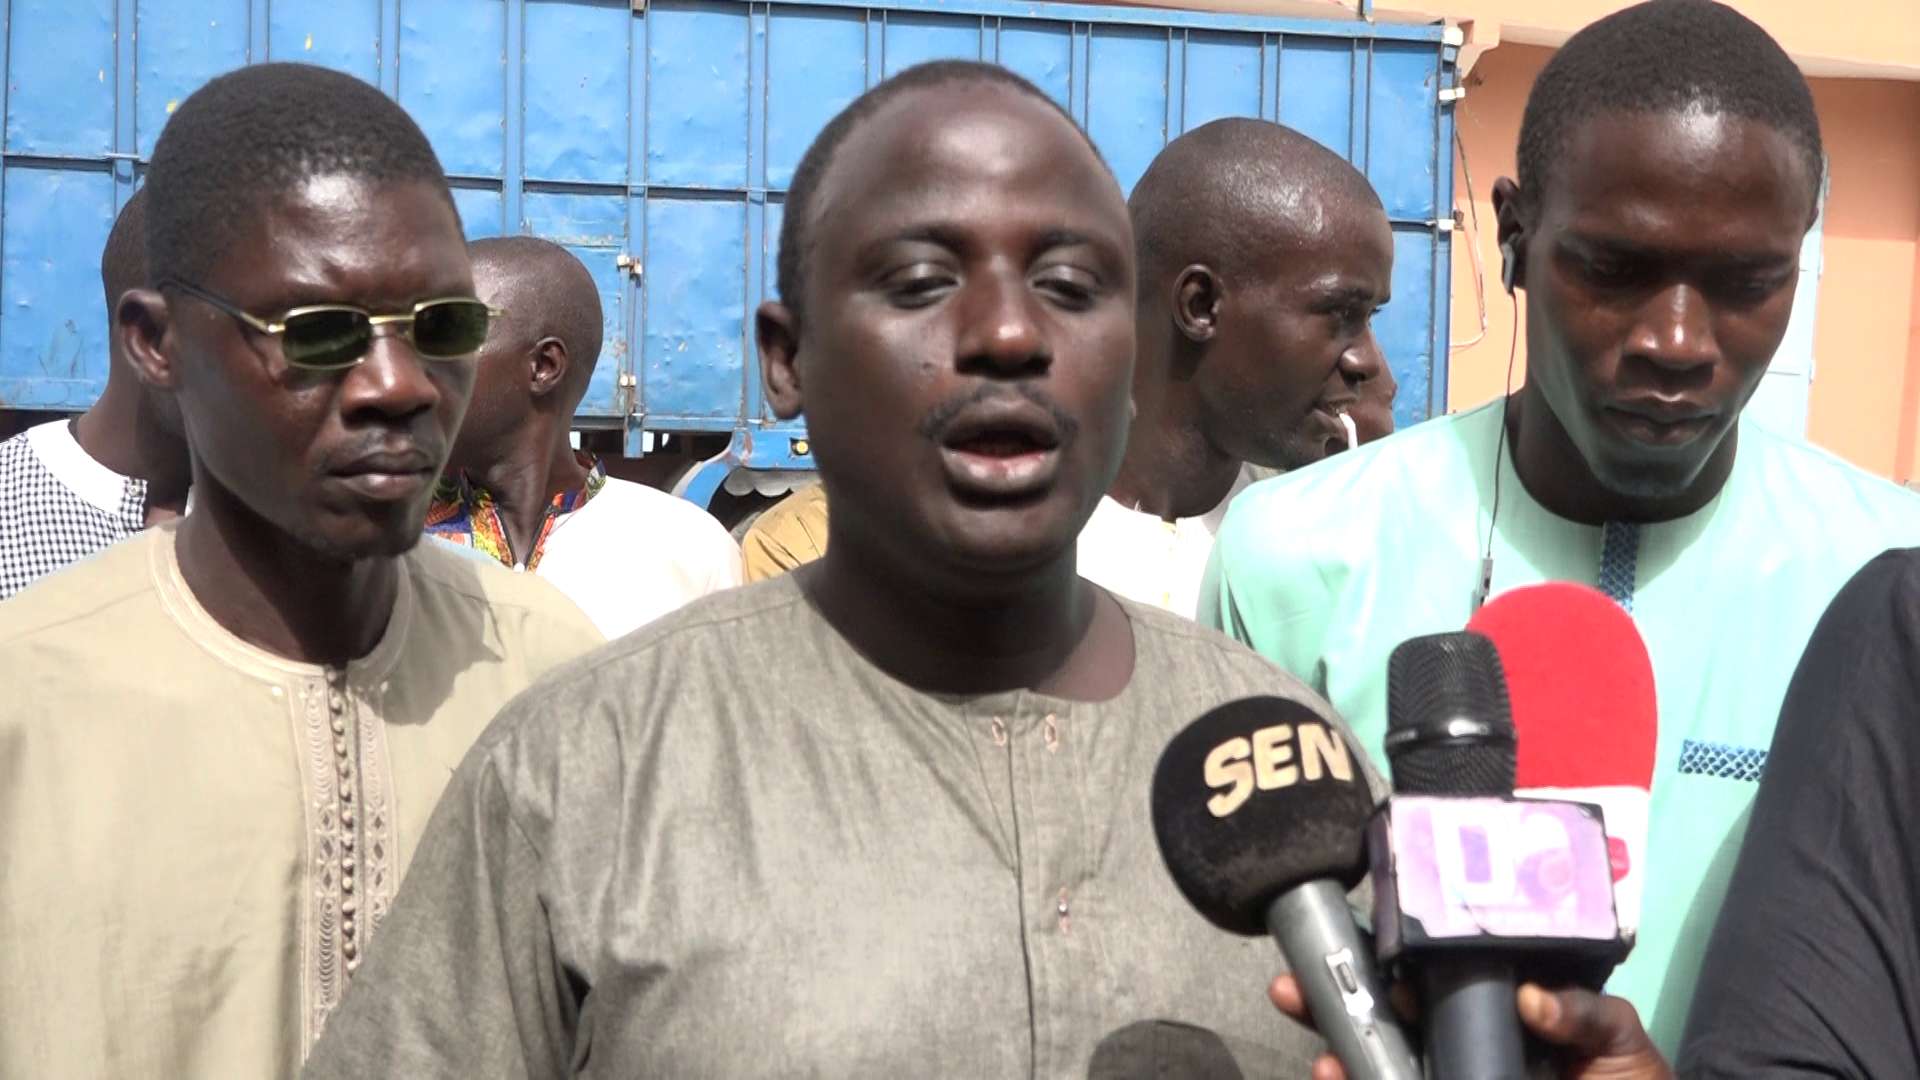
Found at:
[1261, 810]
[1450, 733]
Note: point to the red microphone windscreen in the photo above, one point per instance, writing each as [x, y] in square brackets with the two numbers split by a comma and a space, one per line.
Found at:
[1580, 684]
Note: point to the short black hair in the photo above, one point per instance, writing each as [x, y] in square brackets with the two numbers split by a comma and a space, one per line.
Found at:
[255, 134]
[123, 264]
[796, 234]
[560, 295]
[1665, 56]
[1220, 194]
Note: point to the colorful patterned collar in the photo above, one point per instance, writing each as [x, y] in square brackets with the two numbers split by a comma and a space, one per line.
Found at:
[465, 513]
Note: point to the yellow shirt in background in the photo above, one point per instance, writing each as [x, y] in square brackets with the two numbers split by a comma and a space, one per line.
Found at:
[198, 836]
[791, 533]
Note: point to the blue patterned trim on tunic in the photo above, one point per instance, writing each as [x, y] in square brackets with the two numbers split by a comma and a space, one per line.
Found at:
[1724, 760]
[1619, 559]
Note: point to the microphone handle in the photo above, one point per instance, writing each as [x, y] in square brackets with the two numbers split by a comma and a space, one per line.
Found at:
[1472, 1022]
[1334, 966]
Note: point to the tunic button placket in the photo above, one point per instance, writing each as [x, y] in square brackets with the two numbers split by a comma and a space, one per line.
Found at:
[348, 835]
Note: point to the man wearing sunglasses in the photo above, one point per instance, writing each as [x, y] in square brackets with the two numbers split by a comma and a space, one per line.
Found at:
[220, 740]
[521, 494]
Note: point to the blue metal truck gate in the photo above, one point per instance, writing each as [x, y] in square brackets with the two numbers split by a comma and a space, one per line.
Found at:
[657, 141]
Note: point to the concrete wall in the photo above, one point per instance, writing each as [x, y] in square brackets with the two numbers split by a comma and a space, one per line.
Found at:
[1910, 393]
[1488, 120]
[1864, 382]
[1856, 38]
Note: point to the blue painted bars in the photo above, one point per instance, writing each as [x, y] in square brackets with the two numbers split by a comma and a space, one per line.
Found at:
[658, 145]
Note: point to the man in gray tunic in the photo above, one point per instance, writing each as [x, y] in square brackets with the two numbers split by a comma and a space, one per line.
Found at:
[887, 815]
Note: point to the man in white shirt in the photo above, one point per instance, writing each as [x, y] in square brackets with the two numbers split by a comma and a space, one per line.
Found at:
[517, 490]
[1263, 256]
[71, 487]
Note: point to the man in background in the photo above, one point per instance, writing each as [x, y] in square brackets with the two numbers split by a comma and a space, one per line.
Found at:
[1263, 257]
[519, 493]
[71, 487]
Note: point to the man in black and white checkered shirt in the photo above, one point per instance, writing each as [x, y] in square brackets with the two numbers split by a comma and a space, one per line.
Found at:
[71, 488]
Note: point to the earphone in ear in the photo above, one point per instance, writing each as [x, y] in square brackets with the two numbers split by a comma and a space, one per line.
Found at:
[1509, 273]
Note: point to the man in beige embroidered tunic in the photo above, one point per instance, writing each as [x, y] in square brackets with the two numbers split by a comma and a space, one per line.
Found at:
[887, 815]
[220, 739]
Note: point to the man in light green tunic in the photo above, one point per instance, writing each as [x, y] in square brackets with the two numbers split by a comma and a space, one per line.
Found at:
[1669, 167]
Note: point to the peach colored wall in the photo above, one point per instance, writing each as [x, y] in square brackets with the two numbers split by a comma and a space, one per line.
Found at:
[1860, 33]
[1863, 335]
[1866, 389]
[1488, 119]
[1864, 32]
[1910, 396]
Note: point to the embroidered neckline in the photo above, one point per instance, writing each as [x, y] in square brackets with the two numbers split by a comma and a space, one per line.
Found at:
[244, 656]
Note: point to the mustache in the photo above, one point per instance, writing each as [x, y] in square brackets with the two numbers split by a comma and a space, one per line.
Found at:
[427, 446]
[935, 423]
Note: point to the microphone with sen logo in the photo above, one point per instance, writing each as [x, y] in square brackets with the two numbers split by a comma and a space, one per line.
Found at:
[1265, 821]
[1261, 812]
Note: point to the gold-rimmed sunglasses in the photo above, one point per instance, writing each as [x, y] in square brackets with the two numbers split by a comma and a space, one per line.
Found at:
[333, 337]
